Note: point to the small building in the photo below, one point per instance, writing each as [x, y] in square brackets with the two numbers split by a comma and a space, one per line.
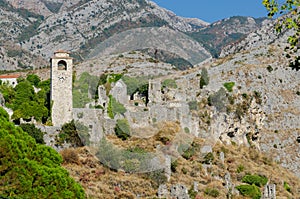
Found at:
[10, 79]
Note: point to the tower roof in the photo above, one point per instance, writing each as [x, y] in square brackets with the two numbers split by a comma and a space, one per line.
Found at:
[61, 51]
[62, 54]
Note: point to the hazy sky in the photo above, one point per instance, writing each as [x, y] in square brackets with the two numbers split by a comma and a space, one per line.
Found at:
[213, 10]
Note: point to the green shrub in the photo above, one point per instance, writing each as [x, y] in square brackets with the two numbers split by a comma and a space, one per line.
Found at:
[26, 103]
[184, 170]
[174, 165]
[114, 77]
[204, 80]
[193, 105]
[212, 192]
[249, 191]
[186, 130]
[114, 107]
[73, 133]
[34, 132]
[158, 177]
[287, 186]
[208, 158]
[169, 83]
[187, 152]
[31, 170]
[255, 179]
[192, 193]
[240, 168]
[122, 129]
[218, 100]
[135, 84]
[229, 86]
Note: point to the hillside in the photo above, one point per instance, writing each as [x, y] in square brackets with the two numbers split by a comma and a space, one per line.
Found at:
[83, 27]
[153, 114]
[218, 35]
[210, 181]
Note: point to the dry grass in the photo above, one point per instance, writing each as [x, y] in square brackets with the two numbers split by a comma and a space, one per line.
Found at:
[70, 156]
[102, 182]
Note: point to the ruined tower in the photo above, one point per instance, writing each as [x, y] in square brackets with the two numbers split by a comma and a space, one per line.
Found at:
[61, 88]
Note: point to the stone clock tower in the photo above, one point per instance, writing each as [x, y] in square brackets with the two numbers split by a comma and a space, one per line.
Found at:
[61, 88]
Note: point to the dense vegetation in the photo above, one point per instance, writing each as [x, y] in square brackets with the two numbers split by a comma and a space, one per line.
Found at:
[25, 102]
[85, 86]
[31, 170]
[34, 132]
[115, 107]
[136, 84]
[73, 133]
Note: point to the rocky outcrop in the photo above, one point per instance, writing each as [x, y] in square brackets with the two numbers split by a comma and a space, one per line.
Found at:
[264, 36]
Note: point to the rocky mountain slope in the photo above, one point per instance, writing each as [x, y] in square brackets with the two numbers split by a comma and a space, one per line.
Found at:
[217, 35]
[162, 38]
[41, 26]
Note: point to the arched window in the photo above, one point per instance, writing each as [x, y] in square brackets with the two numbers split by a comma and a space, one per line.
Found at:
[62, 65]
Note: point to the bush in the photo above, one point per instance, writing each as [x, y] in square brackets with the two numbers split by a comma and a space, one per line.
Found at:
[193, 105]
[174, 165]
[135, 84]
[240, 168]
[229, 86]
[187, 152]
[204, 80]
[192, 193]
[158, 177]
[249, 190]
[169, 83]
[122, 129]
[208, 158]
[255, 179]
[212, 192]
[34, 132]
[73, 133]
[287, 186]
[70, 156]
[218, 100]
[114, 107]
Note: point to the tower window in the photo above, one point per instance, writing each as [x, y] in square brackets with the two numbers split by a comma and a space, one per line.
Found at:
[62, 65]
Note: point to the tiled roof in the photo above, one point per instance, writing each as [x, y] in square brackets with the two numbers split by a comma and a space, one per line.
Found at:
[61, 51]
[9, 76]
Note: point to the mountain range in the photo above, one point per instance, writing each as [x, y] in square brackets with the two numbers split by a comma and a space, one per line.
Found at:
[32, 30]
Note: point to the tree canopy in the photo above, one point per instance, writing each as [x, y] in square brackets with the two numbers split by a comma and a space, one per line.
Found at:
[25, 102]
[31, 170]
[291, 20]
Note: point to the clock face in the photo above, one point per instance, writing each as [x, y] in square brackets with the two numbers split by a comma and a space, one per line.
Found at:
[62, 78]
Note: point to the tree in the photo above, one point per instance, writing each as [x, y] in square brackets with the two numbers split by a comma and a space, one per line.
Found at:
[25, 102]
[31, 170]
[204, 80]
[291, 20]
[33, 79]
